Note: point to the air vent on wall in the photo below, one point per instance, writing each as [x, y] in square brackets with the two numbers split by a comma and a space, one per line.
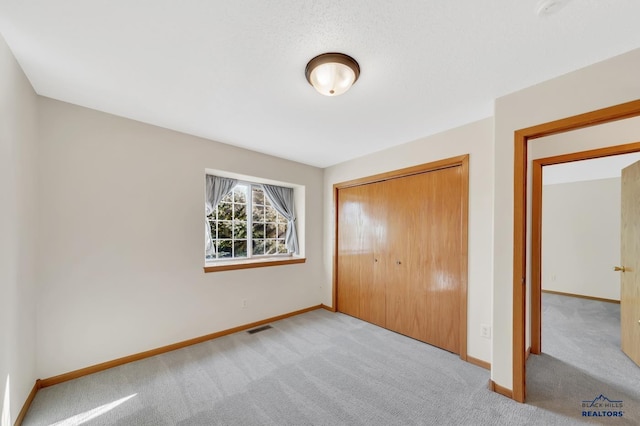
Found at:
[259, 329]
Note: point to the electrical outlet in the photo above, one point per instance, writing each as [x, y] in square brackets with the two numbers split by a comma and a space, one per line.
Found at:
[485, 331]
[243, 303]
[553, 277]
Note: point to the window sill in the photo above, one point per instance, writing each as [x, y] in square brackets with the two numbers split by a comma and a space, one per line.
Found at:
[252, 263]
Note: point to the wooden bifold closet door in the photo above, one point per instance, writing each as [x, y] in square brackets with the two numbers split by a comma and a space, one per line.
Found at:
[401, 254]
[363, 295]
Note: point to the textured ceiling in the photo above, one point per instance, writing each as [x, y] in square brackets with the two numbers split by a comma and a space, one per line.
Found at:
[234, 71]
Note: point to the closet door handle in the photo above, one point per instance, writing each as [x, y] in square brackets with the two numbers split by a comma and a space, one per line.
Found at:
[375, 260]
[398, 262]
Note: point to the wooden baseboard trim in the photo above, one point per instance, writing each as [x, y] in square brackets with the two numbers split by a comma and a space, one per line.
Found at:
[328, 308]
[479, 362]
[494, 387]
[153, 352]
[582, 296]
[28, 402]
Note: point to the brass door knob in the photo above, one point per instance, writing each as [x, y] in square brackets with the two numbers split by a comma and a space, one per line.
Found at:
[619, 268]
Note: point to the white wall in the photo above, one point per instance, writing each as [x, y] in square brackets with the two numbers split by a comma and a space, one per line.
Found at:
[122, 240]
[475, 139]
[601, 85]
[18, 204]
[581, 238]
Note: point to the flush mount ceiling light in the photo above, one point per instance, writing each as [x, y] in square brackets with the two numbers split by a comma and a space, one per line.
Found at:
[332, 74]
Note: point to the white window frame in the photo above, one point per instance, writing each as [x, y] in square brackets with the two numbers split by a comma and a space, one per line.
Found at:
[227, 264]
[249, 239]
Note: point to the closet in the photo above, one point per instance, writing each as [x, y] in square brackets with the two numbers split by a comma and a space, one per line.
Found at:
[401, 251]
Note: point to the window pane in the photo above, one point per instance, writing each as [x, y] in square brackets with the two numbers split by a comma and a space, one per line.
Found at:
[270, 230]
[224, 248]
[270, 247]
[258, 196]
[258, 213]
[224, 229]
[240, 211]
[239, 195]
[225, 211]
[280, 218]
[270, 214]
[282, 248]
[212, 226]
[239, 229]
[258, 247]
[258, 230]
[282, 230]
[227, 198]
[240, 248]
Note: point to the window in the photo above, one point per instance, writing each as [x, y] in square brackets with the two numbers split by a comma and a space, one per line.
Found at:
[245, 224]
[251, 222]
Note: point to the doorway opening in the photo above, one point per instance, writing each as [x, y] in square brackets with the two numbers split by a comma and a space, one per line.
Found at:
[522, 138]
[579, 330]
[609, 160]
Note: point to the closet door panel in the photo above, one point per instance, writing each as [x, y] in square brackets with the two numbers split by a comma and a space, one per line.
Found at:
[351, 241]
[373, 301]
[358, 294]
[423, 289]
[440, 257]
[402, 307]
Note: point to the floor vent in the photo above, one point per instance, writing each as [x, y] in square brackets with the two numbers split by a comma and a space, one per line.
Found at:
[259, 329]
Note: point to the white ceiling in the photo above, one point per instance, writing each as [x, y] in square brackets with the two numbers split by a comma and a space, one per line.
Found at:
[597, 168]
[233, 71]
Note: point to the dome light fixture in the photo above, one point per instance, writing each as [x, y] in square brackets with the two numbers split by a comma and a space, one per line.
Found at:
[332, 74]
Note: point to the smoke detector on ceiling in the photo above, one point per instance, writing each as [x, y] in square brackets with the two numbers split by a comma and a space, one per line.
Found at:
[549, 7]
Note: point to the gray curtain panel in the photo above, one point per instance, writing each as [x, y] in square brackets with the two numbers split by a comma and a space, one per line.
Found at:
[216, 188]
[283, 201]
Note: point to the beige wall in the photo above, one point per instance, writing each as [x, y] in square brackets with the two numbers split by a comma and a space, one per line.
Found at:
[18, 232]
[601, 85]
[119, 225]
[581, 238]
[122, 240]
[475, 139]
